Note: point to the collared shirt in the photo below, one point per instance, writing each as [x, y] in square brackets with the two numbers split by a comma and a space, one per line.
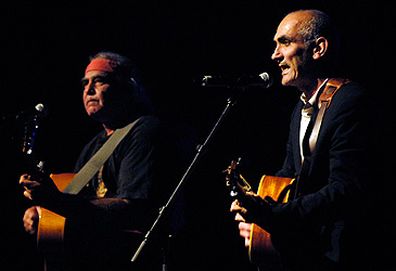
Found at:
[306, 114]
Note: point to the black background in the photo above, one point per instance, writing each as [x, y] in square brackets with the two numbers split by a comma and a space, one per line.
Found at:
[46, 48]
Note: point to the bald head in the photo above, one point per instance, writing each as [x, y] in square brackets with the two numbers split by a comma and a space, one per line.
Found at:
[305, 48]
[310, 24]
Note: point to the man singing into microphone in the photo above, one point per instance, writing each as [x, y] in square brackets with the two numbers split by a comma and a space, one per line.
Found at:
[325, 224]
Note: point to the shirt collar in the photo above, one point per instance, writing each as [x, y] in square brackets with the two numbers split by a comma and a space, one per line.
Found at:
[313, 98]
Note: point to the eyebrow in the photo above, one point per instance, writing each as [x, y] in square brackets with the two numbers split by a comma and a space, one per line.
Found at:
[283, 39]
[100, 75]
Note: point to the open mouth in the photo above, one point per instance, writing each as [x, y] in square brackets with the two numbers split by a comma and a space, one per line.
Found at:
[284, 68]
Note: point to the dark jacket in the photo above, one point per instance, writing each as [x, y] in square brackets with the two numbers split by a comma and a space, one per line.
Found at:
[324, 226]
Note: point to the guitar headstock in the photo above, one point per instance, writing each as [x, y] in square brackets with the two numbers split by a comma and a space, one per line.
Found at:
[31, 130]
[235, 181]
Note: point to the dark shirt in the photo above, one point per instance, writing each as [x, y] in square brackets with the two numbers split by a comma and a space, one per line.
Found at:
[130, 170]
[140, 169]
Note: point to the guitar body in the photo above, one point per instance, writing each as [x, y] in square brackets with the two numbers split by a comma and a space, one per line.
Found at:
[51, 228]
[261, 250]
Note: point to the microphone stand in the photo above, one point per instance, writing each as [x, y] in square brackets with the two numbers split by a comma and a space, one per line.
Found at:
[231, 101]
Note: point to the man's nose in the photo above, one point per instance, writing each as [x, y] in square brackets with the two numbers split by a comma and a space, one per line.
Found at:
[91, 90]
[275, 55]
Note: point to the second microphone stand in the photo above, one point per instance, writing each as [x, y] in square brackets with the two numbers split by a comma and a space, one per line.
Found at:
[231, 101]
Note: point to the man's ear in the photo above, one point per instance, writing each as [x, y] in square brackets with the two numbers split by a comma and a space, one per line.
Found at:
[320, 48]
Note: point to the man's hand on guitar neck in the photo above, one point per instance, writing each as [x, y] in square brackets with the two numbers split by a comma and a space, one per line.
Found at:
[243, 226]
[41, 192]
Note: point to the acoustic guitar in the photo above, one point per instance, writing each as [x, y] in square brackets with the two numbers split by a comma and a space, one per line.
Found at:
[261, 251]
[51, 226]
[51, 229]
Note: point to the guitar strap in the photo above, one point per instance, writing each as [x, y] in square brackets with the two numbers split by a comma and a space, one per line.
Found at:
[327, 94]
[97, 160]
[332, 86]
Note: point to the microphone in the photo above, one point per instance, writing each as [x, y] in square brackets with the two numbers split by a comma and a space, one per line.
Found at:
[39, 110]
[263, 80]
